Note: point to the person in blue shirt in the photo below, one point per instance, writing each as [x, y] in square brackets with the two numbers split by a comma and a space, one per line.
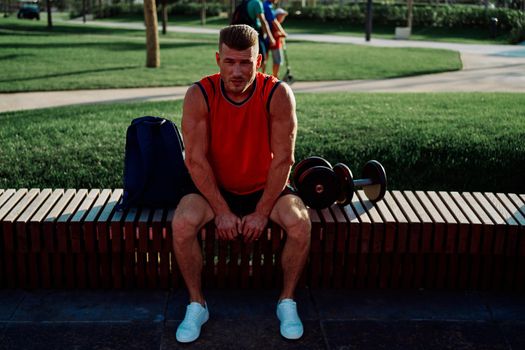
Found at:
[256, 12]
[277, 32]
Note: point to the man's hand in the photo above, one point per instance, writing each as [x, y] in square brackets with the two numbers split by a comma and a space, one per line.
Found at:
[253, 225]
[228, 225]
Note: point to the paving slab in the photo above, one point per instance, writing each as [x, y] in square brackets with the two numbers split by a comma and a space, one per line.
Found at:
[90, 306]
[9, 302]
[245, 334]
[514, 333]
[506, 307]
[399, 305]
[405, 335]
[78, 336]
[246, 305]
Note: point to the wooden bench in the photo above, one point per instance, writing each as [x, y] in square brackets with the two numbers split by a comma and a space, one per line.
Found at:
[75, 239]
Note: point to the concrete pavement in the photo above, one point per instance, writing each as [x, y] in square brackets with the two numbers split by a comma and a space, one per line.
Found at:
[486, 68]
[245, 319]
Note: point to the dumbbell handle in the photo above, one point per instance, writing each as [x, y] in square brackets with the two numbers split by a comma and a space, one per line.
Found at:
[362, 182]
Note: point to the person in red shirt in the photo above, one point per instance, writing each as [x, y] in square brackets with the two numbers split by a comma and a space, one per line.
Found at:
[239, 127]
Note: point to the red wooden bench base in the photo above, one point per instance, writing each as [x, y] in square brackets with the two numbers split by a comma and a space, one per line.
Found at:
[436, 240]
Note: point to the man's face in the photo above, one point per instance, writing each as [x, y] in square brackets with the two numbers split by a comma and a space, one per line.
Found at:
[238, 68]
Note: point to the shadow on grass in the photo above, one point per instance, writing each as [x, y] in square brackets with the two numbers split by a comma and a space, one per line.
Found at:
[13, 56]
[65, 29]
[69, 73]
[112, 46]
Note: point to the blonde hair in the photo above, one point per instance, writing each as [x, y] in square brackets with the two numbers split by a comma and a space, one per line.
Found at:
[238, 37]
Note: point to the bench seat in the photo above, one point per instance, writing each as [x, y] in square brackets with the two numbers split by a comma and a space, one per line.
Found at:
[411, 239]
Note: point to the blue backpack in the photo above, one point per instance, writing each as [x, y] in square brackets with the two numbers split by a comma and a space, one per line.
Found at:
[154, 171]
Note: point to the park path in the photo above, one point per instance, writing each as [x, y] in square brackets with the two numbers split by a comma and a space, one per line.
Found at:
[486, 68]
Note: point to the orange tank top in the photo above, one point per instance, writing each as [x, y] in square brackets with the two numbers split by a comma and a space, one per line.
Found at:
[239, 134]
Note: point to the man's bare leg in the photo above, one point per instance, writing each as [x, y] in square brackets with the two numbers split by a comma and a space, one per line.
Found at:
[192, 213]
[291, 214]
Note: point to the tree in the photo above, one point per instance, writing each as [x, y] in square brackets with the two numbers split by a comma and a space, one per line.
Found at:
[152, 34]
[49, 20]
[164, 15]
[203, 12]
[410, 6]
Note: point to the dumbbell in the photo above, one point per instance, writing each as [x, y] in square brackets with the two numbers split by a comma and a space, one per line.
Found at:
[316, 182]
[373, 182]
[320, 185]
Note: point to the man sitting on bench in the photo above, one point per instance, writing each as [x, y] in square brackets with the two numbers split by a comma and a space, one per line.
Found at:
[239, 128]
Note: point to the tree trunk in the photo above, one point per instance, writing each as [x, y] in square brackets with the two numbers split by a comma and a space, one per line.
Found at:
[84, 11]
[203, 12]
[152, 34]
[233, 5]
[410, 5]
[164, 16]
[49, 19]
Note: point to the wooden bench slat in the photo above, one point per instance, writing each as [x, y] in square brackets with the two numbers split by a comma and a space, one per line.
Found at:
[34, 206]
[4, 197]
[442, 207]
[21, 206]
[433, 243]
[55, 212]
[390, 225]
[71, 208]
[328, 243]
[364, 240]
[110, 206]
[493, 245]
[12, 202]
[507, 217]
[454, 210]
[430, 208]
[340, 245]
[98, 206]
[47, 206]
[85, 206]
[518, 209]
[417, 207]
[377, 239]
[27, 243]
[406, 208]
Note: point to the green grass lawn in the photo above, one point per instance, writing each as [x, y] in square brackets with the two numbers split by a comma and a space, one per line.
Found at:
[83, 57]
[295, 26]
[456, 141]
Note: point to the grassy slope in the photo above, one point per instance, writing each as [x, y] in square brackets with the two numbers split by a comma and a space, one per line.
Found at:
[425, 141]
[35, 59]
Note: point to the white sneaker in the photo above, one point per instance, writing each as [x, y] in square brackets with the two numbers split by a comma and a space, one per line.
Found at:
[190, 328]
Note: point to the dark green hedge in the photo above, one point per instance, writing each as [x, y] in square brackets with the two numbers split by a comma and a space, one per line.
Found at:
[443, 16]
[179, 9]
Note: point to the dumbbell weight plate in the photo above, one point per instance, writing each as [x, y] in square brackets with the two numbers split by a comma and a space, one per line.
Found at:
[374, 170]
[306, 164]
[346, 184]
[318, 187]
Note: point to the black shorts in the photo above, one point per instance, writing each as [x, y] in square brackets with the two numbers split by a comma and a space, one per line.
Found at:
[242, 205]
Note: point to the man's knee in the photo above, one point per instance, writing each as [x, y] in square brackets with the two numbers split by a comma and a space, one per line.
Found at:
[295, 219]
[191, 214]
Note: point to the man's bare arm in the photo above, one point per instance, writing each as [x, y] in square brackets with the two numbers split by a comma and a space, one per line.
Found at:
[283, 133]
[283, 124]
[195, 133]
